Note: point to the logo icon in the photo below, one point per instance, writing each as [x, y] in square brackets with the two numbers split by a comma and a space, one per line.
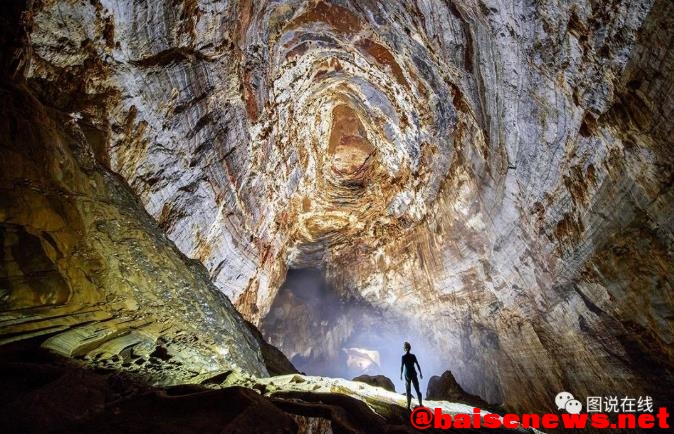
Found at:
[566, 401]
[573, 406]
[421, 418]
[561, 399]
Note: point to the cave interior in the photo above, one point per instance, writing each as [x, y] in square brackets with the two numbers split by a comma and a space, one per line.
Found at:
[247, 204]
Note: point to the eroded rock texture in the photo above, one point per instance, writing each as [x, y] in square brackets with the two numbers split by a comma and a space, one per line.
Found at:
[84, 266]
[495, 176]
[111, 402]
[84, 270]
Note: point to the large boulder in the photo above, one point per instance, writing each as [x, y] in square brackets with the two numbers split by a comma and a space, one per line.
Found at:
[377, 380]
[445, 388]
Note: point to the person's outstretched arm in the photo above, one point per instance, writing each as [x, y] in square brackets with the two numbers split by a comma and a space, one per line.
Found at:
[417, 362]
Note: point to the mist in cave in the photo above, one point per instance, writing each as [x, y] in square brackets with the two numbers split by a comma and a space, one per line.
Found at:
[371, 341]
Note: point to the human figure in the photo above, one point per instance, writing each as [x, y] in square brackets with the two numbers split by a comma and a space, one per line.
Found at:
[407, 368]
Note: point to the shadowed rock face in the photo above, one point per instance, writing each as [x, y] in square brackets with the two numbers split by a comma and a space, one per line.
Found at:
[376, 380]
[445, 387]
[495, 175]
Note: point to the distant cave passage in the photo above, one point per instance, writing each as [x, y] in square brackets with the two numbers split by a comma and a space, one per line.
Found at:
[326, 333]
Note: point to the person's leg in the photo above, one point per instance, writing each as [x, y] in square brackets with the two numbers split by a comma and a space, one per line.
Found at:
[408, 391]
[415, 380]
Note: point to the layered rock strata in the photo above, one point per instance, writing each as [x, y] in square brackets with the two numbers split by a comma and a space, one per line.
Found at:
[496, 175]
[86, 272]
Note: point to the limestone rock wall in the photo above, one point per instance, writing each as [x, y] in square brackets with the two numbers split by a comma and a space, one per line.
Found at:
[84, 270]
[498, 172]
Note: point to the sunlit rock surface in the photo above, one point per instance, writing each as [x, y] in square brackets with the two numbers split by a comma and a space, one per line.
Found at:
[490, 180]
[65, 398]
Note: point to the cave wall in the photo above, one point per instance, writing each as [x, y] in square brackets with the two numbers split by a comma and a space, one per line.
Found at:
[84, 270]
[498, 173]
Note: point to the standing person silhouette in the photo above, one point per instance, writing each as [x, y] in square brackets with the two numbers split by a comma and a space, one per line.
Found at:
[407, 368]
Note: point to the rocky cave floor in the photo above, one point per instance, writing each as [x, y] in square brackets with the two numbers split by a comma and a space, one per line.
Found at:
[46, 393]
